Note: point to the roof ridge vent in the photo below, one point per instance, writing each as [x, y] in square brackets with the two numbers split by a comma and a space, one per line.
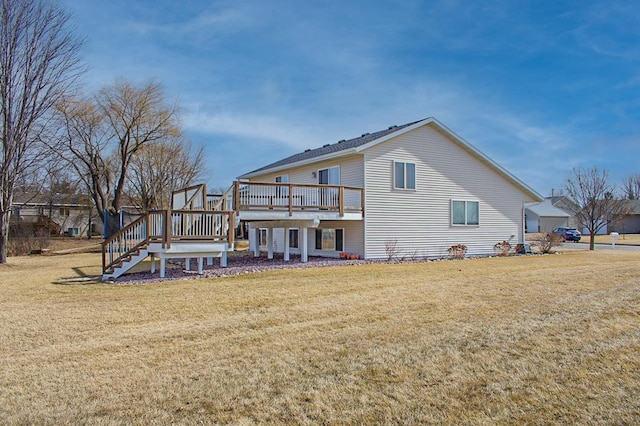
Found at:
[342, 140]
[392, 127]
[326, 145]
[307, 150]
[364, 134]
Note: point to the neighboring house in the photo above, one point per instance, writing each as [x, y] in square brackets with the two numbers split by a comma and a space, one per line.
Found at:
[67, 214]
[412, 190]
[630, 223]
[544, 217]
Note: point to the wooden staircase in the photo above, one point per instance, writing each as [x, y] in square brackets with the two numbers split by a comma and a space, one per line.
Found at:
[199, 219]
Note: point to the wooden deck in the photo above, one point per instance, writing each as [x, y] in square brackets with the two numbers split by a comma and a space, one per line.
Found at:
[203, 220]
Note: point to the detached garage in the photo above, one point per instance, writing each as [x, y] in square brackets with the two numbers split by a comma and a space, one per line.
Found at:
[544, 217]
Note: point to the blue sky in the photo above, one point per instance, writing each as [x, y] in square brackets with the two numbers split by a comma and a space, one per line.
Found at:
[539, 86]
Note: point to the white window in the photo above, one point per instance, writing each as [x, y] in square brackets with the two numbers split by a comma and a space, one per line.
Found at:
[293, 238]
[281, 192]
[329, 176]
[330, 239]
[404, 175]
[262, 240]
[465, 212]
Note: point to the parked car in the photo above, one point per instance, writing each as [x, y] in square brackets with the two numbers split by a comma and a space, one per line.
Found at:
[568, 234]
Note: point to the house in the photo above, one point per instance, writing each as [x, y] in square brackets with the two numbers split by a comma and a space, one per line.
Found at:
[68, 214]
[412, 190]
[417, 190]
[630, 223]
[544, 216]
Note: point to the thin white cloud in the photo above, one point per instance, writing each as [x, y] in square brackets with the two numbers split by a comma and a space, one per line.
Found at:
[257, 127]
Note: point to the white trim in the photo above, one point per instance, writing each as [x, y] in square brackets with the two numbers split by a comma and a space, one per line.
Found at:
[466, 224]
[393, 176]
[328, 169]
[334, 242]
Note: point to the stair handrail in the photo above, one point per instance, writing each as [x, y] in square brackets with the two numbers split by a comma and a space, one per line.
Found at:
[201, 189]
[223, 202]
[118, 240]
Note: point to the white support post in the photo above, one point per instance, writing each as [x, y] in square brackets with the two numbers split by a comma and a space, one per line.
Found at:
[163, 267]
[270, 243]
[304, 257]
[187, 263]
[286, 244]
[256, 242]
[223, 259]
[200, 265]
[153, 264]
[209, 261]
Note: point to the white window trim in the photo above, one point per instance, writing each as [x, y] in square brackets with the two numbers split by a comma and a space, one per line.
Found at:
[260, 233]
[415, 177]
[298, 239]
[334, 243]
[465, 212]
[328, 169]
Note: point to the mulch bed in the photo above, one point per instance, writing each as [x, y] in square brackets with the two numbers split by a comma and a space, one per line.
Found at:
[238, 264]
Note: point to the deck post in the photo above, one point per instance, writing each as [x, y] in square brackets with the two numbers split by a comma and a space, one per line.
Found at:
[223, 259]
[187, 263]
[269, 243]
[200, 265]
[290, 200]
[341, 200]
[304, 257]
[286, 244]
[256, 242]
[236, 196]
[153, 264]
[163, 267]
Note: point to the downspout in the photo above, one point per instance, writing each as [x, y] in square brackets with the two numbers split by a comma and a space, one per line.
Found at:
[522, 225]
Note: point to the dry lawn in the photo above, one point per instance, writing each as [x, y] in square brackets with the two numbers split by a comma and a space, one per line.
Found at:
[627, 239]
[520, 340]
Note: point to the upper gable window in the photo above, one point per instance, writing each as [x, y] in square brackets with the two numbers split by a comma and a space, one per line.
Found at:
[282, 179]
[404, 175]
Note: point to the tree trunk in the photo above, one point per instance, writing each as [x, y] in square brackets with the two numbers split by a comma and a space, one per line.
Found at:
[592, 241]
[4, 235]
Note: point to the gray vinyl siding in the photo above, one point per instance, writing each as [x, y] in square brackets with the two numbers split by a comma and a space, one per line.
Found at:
[420, 220]
[351, 172]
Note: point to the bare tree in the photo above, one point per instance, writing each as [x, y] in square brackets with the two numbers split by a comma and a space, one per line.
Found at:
[594, 198]
[161, 167]
[631, 186]
[39, 62]
[102, 136]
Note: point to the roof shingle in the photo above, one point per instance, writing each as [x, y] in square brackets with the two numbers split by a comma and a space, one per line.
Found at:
[333, 148]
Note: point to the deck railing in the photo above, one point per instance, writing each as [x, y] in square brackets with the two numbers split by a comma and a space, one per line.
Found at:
[124, 242]
[191, 198]
[295, 197]
[165, 227]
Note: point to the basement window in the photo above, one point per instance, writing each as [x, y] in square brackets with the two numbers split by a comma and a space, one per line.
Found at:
[293, 238]
[330, 239]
